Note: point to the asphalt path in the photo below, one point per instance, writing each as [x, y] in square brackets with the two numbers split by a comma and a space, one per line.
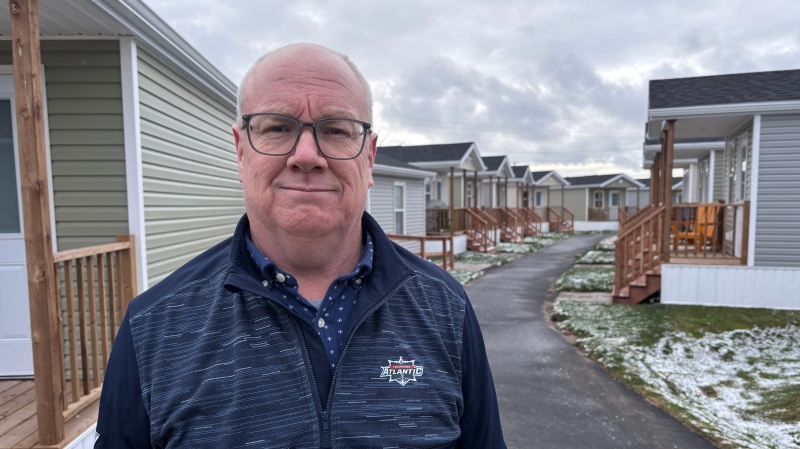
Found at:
[550, 396]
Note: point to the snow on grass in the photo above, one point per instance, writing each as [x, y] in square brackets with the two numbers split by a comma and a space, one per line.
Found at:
[465, 276]
[720, 383]
[607, 244]
[475, 257]
[515, 248]
[586, 279]
[596, 257]
[547, 239]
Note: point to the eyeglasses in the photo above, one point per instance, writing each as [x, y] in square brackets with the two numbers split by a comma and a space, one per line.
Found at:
[278, 134]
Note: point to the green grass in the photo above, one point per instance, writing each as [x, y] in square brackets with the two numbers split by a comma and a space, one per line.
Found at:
[475, 257]
[586, 279]
[596, 257]
[731, 374]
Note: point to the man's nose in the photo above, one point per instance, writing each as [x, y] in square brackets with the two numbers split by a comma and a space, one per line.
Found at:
[306, 155]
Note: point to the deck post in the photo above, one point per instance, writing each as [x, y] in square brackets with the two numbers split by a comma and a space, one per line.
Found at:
[452, 198]
[464, 190]
[491, 194]
[669, 147]
[477, 190]
[45, 323]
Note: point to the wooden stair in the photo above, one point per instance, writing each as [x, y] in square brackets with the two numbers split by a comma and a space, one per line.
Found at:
[640, 289]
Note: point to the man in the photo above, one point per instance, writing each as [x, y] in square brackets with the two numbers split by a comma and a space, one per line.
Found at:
[308, 328]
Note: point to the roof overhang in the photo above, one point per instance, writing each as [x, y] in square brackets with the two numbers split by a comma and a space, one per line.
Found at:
[621, 180]
[116, 19]
[552, 179]
[471, 161]
[685, 153]
[391, 170]
[503, 171]
[712, 120]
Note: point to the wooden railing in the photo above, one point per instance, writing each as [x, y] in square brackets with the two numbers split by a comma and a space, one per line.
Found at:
[447, 253]
[438, 221]
[95, 285]
[623, 216]
[631, 219]
[491, 224]
[639, 248]
[560, 215]
[478, 230]
[710, 230]
[509, 223]
[533, 222]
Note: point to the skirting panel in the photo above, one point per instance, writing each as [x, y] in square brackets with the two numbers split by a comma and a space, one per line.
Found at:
[774, 288]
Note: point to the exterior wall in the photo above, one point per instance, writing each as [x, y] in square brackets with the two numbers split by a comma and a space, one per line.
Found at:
[382, 206]
[695, 187]
[591, 226]
[459, 245]
[630, 198]
[731, 158]
[575, 201]
[719, 175]
[777, 241]
[192, 197]
[85, 440]
[87, 152]
[730, 286]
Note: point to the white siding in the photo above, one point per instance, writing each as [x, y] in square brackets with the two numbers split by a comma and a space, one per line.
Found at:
[192, 197]
[777, 233]
[382, 206]
[774, 288]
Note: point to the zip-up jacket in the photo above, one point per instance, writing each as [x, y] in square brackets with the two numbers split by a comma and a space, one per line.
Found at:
[207, 359]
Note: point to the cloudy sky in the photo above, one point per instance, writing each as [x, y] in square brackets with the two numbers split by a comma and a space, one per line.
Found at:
[558, 85]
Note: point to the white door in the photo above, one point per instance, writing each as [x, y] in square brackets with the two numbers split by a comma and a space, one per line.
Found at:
[613, 206]
[16, 355]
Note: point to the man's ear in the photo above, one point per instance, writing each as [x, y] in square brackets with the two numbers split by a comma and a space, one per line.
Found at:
[237, 140]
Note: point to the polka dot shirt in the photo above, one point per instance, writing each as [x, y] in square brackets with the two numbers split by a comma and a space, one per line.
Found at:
[328, 315]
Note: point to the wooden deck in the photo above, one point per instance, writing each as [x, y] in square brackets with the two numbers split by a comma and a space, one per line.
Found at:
[18, 424]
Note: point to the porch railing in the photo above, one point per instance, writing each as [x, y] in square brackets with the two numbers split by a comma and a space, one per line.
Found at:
[632, 218]
[508, 223]
[605, 213]
[533, 222]
[95, 285]
[478, 230]
[447, 253]
[491, 224]
[559, 215]
[438, 221]
[710, 230]
[639, 248]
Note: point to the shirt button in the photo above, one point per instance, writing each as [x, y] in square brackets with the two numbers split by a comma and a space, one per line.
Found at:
[280, 277]
[358, 281]
[265, 283]
[321, 323]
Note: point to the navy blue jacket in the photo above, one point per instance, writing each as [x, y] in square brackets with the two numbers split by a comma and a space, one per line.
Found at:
[205, 359]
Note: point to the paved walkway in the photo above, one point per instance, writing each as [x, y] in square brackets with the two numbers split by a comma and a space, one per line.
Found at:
[550, 396]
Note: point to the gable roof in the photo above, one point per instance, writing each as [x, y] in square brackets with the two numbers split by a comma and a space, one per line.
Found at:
[600, 180]
[387, 165]
[429, 153]
[540, 177]
[441, 156]
[493, 163]
[520, 170]
[754, 87]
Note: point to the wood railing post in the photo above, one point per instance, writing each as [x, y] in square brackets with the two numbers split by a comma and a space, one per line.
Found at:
[127, 262]
[45, 323]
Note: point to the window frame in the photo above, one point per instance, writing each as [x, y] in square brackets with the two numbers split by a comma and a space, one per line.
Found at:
[402, 208]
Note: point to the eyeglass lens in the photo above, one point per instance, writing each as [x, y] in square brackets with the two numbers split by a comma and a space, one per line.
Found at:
[276, 134]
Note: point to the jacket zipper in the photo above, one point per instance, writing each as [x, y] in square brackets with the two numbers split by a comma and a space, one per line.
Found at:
[326, 414]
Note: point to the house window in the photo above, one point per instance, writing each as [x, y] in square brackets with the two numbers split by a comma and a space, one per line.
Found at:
[678, 198]
[742, 165]
[427, 191]
[439, 190]
[598, 199]
[470, 194]
[614, 200]
[399, 208]
[537, 201]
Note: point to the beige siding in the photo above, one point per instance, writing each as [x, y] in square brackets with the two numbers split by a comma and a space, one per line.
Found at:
[84, 105]
[575, 200]
[192, 197]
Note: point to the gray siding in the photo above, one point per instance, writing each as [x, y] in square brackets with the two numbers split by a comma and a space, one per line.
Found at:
[575, 200]
[87, 152]
[777, 234]
[719, 175]
[192, 197]
[382, 206]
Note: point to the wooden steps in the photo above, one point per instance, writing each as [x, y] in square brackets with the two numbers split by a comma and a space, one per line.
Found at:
[640, 289]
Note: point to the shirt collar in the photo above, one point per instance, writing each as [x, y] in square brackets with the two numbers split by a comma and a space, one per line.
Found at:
[269, 269]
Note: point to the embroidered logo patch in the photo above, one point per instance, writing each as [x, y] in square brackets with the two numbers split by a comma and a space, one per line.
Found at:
[401, 371]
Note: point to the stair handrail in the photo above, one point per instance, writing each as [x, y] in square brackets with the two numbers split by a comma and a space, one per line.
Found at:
[633, 219]
[647, 234]
[484, 225]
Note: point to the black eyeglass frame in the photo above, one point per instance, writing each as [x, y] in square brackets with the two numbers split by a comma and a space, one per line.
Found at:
[367, 130]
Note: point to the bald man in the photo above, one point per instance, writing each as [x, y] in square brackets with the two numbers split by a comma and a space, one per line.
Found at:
[308, 328]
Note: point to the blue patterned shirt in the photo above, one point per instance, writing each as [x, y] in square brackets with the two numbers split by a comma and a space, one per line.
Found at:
[330, 316]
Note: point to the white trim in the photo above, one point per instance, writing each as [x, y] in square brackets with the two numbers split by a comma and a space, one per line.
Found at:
[772, 107]
[690, 185]
[756, 155]
[712, 162]
[395, 209]
[688, 146]
[49, 161]
[85, 439]
[381, 169]
[133, 154]
[586, 212]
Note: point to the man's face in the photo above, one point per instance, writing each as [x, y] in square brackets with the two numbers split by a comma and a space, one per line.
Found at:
[304, 194]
